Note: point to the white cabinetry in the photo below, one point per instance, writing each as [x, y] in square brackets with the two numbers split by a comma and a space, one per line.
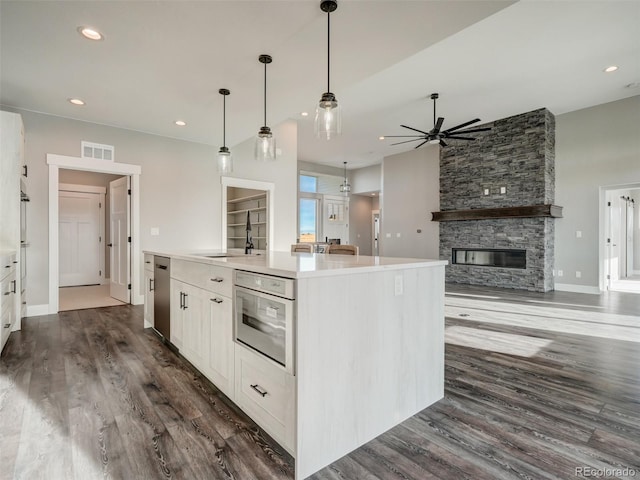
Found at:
[201, 319]
[8, 295]
[267, 394]
[11, 166]
[148, 290]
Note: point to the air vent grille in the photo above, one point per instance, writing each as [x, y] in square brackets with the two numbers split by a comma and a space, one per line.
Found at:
[97, 151]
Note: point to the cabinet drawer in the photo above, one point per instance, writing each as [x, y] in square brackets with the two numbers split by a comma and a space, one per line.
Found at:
[5, 327]
[148, 262]
[266, 393]
[8, 266]
[6, 294]
[202, 275]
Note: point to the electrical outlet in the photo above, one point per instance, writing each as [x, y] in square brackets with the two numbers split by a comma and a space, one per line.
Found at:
[553, 273]
[578, 234]
[398, 286]
[503, 190]
[155, 231]
[398, 235]
[578, 274]
[559, 273]
[486, 192]
[388, 235]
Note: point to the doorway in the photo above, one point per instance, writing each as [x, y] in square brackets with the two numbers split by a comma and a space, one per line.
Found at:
[86, 267]
[132, 174]
[375, 232]
[621, 239]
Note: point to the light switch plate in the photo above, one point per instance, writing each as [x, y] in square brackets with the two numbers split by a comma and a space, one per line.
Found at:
[398, 285]
[155, 231]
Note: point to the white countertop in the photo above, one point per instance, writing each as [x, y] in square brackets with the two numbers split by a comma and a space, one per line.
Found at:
[301, 265]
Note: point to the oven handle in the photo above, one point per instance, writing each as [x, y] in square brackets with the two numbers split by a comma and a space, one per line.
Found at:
[258, 389]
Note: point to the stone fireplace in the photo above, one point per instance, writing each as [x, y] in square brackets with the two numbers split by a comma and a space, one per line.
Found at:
[496, 200]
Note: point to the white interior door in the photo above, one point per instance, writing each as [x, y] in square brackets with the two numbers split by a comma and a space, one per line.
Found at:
[119, 246]
[79, 230]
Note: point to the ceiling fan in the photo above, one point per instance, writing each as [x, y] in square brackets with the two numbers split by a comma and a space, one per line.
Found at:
[435, 135]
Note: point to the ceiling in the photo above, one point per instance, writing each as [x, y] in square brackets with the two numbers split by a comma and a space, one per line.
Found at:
[165, 60]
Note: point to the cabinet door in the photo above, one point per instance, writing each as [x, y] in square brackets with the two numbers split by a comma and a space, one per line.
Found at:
[177, 292]
[148, 296]
[219, 367]
[194, 337]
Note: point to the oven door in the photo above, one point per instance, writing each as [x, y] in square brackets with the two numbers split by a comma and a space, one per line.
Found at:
[265, 323]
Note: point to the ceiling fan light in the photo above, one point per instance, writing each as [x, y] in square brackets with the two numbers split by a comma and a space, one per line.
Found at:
[434, 141]
[225, 161]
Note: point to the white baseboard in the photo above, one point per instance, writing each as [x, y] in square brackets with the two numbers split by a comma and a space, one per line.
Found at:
[147, 324]
[106, 281]
[568, 287]
[37, 310]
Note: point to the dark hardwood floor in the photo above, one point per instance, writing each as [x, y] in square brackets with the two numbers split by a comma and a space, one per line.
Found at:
[530, 393]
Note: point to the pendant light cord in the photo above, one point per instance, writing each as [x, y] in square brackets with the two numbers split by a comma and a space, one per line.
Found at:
[265, 94]
[224, 120]
[328, 50]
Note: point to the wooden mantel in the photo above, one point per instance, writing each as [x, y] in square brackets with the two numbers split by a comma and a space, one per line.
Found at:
[553, 211]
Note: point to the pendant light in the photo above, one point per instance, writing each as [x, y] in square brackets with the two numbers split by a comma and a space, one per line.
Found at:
[345, 188]
[225, 162]
[265, 141]
[328, 123]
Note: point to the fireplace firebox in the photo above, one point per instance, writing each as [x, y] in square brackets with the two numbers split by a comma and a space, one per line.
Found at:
[490, 257]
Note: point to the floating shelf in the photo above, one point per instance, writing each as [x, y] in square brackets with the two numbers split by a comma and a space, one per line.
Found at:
[552, 211]
[244, 224]
[247, 198]
[259, 209]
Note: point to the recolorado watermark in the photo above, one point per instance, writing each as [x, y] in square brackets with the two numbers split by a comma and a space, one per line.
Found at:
[591, 472]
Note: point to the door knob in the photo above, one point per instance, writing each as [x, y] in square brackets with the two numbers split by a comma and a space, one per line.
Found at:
[109, 244]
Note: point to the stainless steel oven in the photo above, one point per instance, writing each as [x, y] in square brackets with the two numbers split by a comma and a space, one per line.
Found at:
[265, 315]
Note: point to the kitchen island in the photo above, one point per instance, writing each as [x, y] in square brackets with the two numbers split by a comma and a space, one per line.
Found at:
[368, 347]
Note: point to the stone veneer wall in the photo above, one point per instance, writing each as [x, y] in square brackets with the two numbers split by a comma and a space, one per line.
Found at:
[518, 153]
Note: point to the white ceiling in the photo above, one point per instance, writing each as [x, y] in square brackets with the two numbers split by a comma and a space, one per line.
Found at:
[165, 60]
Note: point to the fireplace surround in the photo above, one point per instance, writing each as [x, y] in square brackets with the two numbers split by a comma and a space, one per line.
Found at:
[516, 158]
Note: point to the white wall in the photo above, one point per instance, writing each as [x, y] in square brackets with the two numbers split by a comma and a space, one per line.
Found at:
[180, 191]
[595, 147]
[410, 192]
[367, 179]
[635, 194]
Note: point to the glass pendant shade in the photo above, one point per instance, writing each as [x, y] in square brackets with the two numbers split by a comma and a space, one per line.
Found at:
[265, 148]
[265, 145]
[225, 161]
[345, 188]
[328, 122]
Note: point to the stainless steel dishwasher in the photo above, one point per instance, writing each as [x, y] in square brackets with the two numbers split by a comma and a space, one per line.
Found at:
[162, 296]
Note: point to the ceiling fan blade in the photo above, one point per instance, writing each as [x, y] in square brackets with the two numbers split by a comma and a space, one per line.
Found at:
[443, 143]
[400, 136]
[422, 143]
[407, 141]
[462, 125]
[437, 126]
[474, 130]
[460, 138]
[415, 129]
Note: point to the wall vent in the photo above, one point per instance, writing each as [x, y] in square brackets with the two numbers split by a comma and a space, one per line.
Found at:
[97, 151]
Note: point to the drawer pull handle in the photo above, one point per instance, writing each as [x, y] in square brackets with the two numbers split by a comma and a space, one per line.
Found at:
[7, 325]
[217, 280]
[217, 300]
[257, 388]
[148, 261]
[7, 293]
[7, 266]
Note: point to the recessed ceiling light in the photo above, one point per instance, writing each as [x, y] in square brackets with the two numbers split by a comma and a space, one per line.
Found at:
[180, 123]
[380, 138]
[76, 101]
[373, 194]
[304, 114]
[90, 33]
[610, 69]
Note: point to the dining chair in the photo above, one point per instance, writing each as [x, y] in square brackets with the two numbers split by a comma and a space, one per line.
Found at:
[343, 249]
[302, 247]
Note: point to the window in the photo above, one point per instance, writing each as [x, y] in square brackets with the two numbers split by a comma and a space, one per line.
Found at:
[308, 184]
[308, 220]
